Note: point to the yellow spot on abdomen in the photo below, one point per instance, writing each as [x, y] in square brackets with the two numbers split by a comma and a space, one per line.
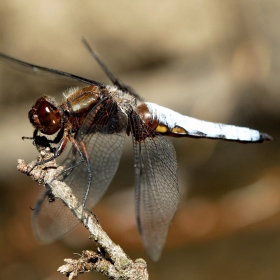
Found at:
[161, 128]
[178, 130]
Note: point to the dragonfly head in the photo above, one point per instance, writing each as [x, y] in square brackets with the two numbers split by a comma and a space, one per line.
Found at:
[45, 115]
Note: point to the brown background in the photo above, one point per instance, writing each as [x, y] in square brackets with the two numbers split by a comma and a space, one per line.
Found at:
[217, 60]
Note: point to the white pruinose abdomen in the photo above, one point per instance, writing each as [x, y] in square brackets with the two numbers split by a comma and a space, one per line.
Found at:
[176, 124]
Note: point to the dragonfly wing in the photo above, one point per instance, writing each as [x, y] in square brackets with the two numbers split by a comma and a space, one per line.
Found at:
[51, 220]
[156, 186]
[117, 82]
[103, 138]
[104, 155]
[102, 134]
[43, 72]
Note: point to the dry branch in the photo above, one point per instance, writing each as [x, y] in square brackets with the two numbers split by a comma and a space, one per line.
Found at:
[118, 265]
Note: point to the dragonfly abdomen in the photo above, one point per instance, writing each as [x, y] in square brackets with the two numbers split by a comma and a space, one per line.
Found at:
[171, 123]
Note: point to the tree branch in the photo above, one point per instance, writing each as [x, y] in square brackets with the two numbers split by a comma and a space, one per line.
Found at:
[118, 265]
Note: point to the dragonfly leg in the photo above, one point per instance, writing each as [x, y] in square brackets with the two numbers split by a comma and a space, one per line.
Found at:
[42, 141]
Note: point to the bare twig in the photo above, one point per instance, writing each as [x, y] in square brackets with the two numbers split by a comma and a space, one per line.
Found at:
[118, 265]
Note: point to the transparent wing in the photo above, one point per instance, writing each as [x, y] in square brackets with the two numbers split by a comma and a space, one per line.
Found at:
[51, 220]
[156, 186]
[117, 82]
[104, 154]
[102, 135]
[41, 71]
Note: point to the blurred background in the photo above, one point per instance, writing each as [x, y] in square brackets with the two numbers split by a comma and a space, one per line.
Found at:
[215, 60]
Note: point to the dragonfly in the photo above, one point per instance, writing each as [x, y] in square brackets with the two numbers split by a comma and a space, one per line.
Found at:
[95, 119]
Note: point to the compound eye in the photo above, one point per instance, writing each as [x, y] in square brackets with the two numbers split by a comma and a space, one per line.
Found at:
[49, 117]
